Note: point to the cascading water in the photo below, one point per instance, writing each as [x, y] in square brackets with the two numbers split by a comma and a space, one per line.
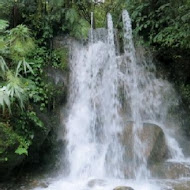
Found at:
[98, 113]
[133, 95]
[93, 121]
[148, 96]
[150, 100]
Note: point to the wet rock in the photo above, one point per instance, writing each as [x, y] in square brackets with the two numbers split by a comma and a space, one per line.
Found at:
[181, 186]
[170, 170]
[153, 139]
[35, 184]
[62, 41]
[123, 188]
[155, 144]
[95, 182]
[43, 185]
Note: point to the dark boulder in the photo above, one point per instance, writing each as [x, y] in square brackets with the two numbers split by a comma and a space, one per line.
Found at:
[153, 139]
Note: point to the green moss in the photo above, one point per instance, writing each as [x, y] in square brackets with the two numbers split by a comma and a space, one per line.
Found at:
[60, 58]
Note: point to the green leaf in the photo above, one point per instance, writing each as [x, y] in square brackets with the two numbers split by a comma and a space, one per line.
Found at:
[4, 98]
[16, 88]
[24, 66]
[71, 15]
[21, 150]
[3, 66]
[21, 42]
[3, 24]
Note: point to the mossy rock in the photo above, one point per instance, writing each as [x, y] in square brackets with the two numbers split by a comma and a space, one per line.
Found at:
[9, 143]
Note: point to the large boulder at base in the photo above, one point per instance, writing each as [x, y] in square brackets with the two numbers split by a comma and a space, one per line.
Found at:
[170, 170]
[123, 188]
[153, 140]
[156, 148]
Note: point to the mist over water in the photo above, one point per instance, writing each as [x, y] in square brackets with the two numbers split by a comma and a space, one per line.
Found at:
[106, 92]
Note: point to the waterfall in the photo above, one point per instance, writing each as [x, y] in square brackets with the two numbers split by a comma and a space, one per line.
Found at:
[150, 99]
[94, 121]
[132, 93]
[106, 93]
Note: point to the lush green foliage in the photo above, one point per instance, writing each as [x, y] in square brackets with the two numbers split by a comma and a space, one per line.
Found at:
[49, 18]
[164, 24]
[17, 43]
[22, 82]
[9, 139]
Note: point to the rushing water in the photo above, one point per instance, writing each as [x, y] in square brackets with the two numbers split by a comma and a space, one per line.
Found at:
[105, 91]
[132, 93]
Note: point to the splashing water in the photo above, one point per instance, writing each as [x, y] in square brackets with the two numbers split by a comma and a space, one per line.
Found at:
[96, 156]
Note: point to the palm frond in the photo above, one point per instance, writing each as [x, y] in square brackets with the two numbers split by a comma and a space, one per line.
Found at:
[20, 32]
[24, 66]
[3, 44]
[3, 66]
[15, 88]
[3, 25]
[4, 98]
[21, 42]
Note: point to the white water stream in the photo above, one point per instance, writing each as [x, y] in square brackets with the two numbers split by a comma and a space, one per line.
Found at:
[95, 154]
